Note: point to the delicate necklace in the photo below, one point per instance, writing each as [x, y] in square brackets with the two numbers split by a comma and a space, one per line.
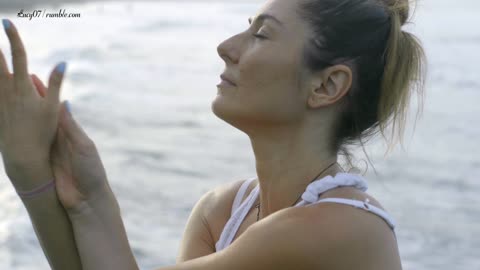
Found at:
[258, 204]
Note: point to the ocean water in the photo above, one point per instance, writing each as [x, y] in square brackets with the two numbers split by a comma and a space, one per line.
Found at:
[141, 79]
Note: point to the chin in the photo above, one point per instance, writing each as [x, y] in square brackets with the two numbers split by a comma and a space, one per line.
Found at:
[230, 111]
[222, 108]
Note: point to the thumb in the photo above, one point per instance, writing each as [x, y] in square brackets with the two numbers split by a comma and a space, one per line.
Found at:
[74, 133]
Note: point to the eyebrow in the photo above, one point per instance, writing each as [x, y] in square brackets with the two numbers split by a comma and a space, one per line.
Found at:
[265, 16]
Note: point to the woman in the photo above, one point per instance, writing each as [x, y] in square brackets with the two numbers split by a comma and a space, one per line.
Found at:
[306, 79]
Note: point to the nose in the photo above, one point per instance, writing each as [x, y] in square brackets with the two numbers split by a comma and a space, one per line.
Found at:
[227, 50]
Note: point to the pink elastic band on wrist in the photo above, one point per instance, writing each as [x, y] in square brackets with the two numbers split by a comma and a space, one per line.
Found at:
[36, 191]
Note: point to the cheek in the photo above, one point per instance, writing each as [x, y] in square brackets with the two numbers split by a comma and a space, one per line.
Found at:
[269, 84]
[267, 68]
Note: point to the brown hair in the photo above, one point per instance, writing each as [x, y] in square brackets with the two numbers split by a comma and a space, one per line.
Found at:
[387, 64]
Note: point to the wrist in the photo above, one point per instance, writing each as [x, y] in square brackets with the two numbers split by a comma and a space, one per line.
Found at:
[102, 203]
[99, 234]
[20, 158]
[28, 175]
[41, 189]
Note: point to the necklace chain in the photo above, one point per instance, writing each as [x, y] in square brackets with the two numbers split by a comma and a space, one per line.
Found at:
[316, 177]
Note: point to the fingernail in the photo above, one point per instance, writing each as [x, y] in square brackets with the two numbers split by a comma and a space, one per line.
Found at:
[67, 105]
[6, 24]
[61, 67]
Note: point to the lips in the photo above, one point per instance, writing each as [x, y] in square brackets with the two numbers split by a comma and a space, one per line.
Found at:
[225, 78]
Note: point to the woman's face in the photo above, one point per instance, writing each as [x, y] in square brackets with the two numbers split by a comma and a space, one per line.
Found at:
[265, 71]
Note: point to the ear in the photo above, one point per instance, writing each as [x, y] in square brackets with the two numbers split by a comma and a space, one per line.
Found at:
[330, 85]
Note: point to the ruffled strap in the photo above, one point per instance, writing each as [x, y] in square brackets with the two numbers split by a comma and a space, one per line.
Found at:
[317, 187]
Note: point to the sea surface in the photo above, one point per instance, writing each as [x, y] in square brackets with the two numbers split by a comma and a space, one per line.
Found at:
[141, 77]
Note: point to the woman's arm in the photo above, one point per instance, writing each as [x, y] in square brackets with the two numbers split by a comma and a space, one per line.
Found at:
[27, 126]
[84, 191]
[101, 237]
[49, 219]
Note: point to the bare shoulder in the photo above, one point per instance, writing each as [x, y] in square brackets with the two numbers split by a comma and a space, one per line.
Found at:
[221, 197]
[311, 238]
[303, 238]
[341, 231]
[271, 243]
[219, 207]
[206, 218]
[325, 236]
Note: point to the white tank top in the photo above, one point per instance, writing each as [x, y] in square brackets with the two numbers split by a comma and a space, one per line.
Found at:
[310, 196]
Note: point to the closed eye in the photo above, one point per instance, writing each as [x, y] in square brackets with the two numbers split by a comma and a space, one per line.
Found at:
[259, 36]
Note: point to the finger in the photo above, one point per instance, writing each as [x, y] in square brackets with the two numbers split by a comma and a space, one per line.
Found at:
[19, 56]
[42, 90]
[3, 67]
[60, 178]
[62, 156]
[54, 83]
[57, 164]
[55, 152]
[74, 133]
[61, 161]
[58, 171]
[62, 151]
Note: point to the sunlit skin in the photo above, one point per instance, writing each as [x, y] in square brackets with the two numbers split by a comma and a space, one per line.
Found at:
[286, 111]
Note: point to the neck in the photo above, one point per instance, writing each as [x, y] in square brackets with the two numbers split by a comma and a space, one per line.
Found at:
[285, 172]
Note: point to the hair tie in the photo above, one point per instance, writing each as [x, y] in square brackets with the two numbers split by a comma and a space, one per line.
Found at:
[400, 10]
[36, 191]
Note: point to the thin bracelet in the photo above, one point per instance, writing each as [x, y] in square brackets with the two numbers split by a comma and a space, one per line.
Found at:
[36, 191]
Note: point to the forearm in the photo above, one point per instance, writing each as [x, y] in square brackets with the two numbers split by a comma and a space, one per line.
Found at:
[101, 237]
[49, 219]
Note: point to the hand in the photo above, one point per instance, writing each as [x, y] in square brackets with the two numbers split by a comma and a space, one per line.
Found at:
[28, 122]
[84, 192]
[80, 177]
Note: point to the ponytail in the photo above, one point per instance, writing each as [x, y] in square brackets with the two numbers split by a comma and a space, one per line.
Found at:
[404, 72]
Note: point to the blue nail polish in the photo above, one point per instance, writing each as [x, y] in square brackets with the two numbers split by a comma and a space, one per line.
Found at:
[61, 67]
[67, 105]
[6, 24]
